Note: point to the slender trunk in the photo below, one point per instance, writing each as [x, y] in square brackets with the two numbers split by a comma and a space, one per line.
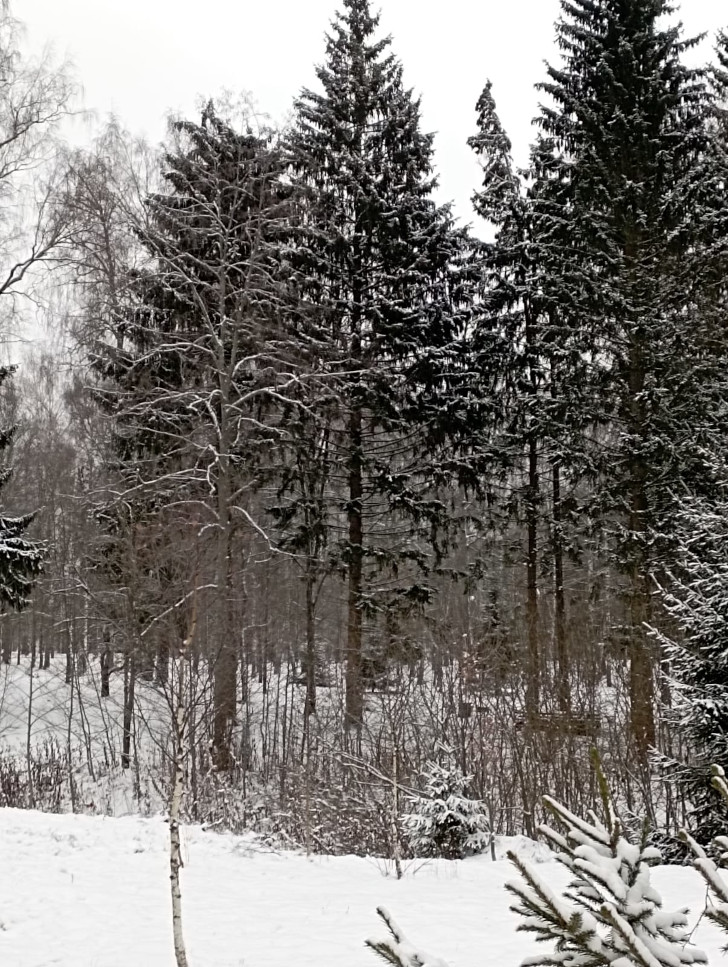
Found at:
[226, 660]
[562, 656]
[181, 756]
[310, 645]
[354, 694]
[192, 743]
[396, 840]
[105, 666]
[69, 747]
[226, 663]
[69, 655]
[533, 672]
[175, 846]
[641, 684]
[162, 663]
[28, 741]
[355, 510]
[130, 673]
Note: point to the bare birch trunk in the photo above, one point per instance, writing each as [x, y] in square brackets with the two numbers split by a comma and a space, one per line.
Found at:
[181, 753]
[28, 740]
[175, 846]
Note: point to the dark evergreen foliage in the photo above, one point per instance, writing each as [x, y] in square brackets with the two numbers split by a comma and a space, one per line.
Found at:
[615, 164]
[616, 237]
[21, 559]
[377, 263]
[532, 416]
[696, 598]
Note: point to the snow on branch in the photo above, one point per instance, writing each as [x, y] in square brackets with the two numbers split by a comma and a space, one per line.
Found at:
[397, 950]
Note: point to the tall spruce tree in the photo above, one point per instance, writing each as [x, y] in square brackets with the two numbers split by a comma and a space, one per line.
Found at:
[696, 598]
[615, 234]
[531, 426]
[694, 593]
[715, 181]
[375, 260]
[506, 345]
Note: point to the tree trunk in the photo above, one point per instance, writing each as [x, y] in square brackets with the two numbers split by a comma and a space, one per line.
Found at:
[354, 693]
[162, 663]
[181, 752]
[310, 644]
[562, 657]
[225, 688]
[175, 846]
[105, 665]
[28, 741]
[641, 680]
[130, 673]
[641, 684]
[533, 671]
[225, 683]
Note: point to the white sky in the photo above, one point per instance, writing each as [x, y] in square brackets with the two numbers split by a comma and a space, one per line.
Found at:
[142, 58]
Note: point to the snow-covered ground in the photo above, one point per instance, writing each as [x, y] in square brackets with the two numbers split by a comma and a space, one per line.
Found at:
[79, 891]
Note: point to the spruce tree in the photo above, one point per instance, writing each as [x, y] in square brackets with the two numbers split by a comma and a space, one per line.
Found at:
[375, 260]
[615, 237]
[444, 820]
[714, 174]
[507, 354]
[533, 416]
[695, 595]
[21, 559]
[695, 592]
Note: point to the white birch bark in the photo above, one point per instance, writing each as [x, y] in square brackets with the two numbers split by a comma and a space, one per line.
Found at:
[180, 752]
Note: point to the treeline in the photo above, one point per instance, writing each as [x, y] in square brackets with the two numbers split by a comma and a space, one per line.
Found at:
[345, 481]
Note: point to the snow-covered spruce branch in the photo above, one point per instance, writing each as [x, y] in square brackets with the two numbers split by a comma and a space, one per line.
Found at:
[717, 911]
[610, 912]
[397, 950]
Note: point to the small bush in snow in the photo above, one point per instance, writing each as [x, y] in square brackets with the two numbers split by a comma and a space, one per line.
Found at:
[444, 821]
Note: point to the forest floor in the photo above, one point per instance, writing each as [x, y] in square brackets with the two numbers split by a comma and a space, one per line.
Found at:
[80, 891]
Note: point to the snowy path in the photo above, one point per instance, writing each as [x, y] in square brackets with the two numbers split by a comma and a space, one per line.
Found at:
[93, 892]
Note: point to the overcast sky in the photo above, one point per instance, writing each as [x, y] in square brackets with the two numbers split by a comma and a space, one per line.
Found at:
[142, 58]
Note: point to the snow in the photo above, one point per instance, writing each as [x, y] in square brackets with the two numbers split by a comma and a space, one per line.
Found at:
[80, 891]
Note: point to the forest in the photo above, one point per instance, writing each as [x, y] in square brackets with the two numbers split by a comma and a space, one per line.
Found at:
[316, 506]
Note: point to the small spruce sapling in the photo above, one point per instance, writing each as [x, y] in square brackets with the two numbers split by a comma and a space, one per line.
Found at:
[610, 913]
[444, 821]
